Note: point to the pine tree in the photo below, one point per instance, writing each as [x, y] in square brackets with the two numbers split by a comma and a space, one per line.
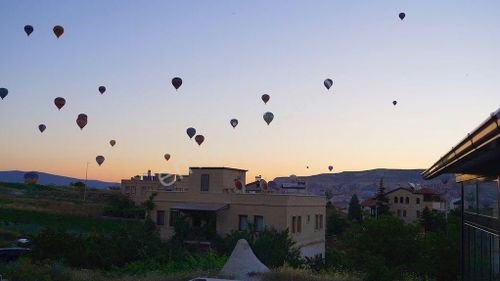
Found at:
[355, 213]
[382, 200]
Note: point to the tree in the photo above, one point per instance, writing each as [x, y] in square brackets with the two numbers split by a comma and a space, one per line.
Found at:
[149, 204]
[336, 223]
[354, 213]
[432, 221]
[382, 200]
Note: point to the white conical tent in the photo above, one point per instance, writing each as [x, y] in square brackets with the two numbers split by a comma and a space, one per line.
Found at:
[242, 262]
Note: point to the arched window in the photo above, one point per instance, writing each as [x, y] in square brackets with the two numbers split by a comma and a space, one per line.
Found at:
[407, 200]
[395, 199]
[404, 213]
[401, 200]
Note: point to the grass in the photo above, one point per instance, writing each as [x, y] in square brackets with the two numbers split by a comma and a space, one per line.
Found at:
[290, 274]
[31, 222]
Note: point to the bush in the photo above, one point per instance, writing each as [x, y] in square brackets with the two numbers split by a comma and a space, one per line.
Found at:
[120, 205]
[24, 270]
[290, 274]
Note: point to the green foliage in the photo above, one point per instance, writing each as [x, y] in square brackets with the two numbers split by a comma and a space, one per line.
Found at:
[149, 204]
[120, 205]
[382, 201]
[354, 213]
[272, 247]
[294, 274]
[432, 221]
[336, 223]
[24, 270]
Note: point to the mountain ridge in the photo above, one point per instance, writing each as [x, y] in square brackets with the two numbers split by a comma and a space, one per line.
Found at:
[17, 176]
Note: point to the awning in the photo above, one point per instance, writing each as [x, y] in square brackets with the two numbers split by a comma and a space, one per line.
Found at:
[193, 206]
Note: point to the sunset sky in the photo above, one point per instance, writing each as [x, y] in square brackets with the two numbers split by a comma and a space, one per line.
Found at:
[441, 63]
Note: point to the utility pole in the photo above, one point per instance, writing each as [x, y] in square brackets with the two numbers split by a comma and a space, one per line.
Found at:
[85, 184]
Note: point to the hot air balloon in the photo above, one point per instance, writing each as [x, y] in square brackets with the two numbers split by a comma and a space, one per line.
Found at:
[330, 168]
[3, 93]
[42, 128]
[265, 98]
[112, 142]
[238, 184]
[167, 156]
[28, 29]
[307, 167]
[394, 102]
[31, 178]
[58, 30]
[102, 89]
[268, 117]
[402, 16]
[59, 102]
[81, 121]
[191, 132]
[328, 83]
[234, 123]
[293, 177]
[199, 139]
[99, 159]
[176, 82]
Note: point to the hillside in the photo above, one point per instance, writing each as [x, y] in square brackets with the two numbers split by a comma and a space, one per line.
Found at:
[365, 183]
[51, 179]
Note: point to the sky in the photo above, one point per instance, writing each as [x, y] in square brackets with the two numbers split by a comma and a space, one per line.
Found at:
[441, 63]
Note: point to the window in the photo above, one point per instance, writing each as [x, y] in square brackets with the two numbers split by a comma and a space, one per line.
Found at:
[418, 200]
[488, 199]
[316, 222]
[407, 200]
[308, 219]
[294, 223]
[160, 217]
[401, 200]
[404, 213]
[299, 224]
[205, 180]
[174, 214]
[243, 224]
[321, 221]
[259, 223]
[395, 199]
[399, 213]
[418, 214]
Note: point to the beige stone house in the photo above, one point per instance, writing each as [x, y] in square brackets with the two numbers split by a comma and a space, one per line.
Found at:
[214, 199]
[409, 203]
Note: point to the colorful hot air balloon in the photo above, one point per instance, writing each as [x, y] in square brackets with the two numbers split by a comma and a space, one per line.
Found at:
[234, 122]
[3, 93]
[99, 159]
[58, 30]
[176, 82]
[238, 184]
[28, 29]
[402, 16]
[268, 117]
[42, 128]
[199, 139]
[102, 89]
[328, 83]
[191, 132]
[81, 121]
[265, 98]
[394, 102]
[59, 102]
[112, 142]
[330, 168]
[167, 156]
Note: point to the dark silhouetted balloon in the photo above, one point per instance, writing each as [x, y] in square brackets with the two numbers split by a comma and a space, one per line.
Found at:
[238, 184]
[99, 159]
[81, 121]
[402, 16]
[31, 178]
[112, 142]
[102, 89]
[330, 168]
[307, 167]
[199, 139]
[42, 128]
[59, 102]
[28, 29]
[265, 98]
[176, 82]
[58, 30]
[394, 103]
[268, 117]
[328, 83]
[234, 123]
[167, 156]
[191, 132]
[3, 93]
